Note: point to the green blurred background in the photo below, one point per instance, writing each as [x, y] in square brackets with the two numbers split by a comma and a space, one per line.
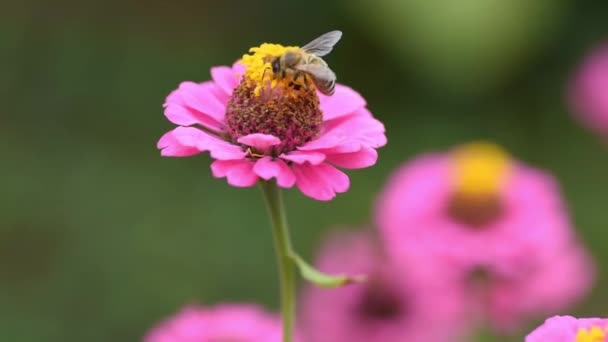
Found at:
[100, 237]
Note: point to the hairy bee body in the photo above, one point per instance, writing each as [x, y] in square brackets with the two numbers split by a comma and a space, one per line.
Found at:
[307, 62]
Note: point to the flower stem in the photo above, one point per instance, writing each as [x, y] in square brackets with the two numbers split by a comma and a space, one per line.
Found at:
[282, 242]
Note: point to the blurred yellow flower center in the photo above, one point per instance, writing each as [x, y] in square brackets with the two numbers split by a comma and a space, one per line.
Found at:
[480, 169]
[259, 71]
[594, 334]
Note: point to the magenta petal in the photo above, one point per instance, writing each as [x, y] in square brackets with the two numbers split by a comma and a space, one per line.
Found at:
[587, 91]
[259, 141]
[344, 101]
[320, 182]
[183, 116]
[238, 173]
[185, 139]
[225, 78]
[202, 97]
[301, 157]
[365, 157]
[349, 134]
[267, 168]
[170, 147]
[343, 148]
[239, 69]
[183, 107]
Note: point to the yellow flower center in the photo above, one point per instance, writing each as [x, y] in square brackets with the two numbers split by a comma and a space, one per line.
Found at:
[594, 334]
[259, 71]
[478, 172]
[480, 169]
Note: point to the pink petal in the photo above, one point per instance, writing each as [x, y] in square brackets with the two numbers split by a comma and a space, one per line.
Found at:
[238, 68]
[259, 141]
[239, 173]
[320, 182]
[344, 147]
[202, 97]
[194, 103]
[344, 101]
[225, 78]
[170, 147]
[183, 141]
[267, 168]
[349, 134]
[365, 157]
[301, 157]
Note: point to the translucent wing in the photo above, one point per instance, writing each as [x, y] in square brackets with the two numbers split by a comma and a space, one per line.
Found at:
[322, 76]
[323, 44]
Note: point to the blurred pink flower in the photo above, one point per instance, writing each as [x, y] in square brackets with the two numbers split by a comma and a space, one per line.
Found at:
[570, 329]
[523, 218]
[545, 290]
[393, 305]
[500, 226]
[588, 91]
[227, 322]
[256, 130]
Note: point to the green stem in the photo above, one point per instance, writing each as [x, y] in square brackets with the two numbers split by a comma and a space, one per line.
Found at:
[282, 242]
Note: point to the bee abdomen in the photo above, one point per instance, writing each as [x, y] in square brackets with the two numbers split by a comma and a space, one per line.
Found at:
[326, 87]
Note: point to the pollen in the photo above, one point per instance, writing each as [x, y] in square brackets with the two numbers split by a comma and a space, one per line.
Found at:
[258, 70]
[594, 334]
[480, 169]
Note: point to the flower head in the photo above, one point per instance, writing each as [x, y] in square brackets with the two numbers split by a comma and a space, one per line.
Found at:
[476, 205]
[228, 322]
[258, 125]
[588, 96]
[499, 225]
[393, 305]
[570, 329]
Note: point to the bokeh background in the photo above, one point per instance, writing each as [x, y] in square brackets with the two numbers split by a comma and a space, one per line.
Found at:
[100, 237]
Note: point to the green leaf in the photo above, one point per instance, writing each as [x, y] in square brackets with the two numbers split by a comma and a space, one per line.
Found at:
[321, 279]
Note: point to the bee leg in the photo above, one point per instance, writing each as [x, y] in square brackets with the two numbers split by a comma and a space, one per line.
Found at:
[294, 81]
[264, 75]
[306, 80]
[297, 75]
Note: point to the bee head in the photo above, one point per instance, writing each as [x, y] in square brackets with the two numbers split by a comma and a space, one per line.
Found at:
[276, 65]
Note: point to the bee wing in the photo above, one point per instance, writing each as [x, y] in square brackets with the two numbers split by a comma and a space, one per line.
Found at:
[322, 76]
[317, 71]
[323, 45]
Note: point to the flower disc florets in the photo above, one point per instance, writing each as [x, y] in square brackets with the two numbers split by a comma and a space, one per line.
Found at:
[263, 103]
[293, 119]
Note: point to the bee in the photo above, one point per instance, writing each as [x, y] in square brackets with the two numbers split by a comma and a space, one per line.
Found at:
[306, 61]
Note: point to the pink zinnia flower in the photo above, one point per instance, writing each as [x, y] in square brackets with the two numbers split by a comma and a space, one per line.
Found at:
[545, 290]
[227, 322]
[570, 329]
[256, 126]
[588, 91]
[392, 305]
[500, 226]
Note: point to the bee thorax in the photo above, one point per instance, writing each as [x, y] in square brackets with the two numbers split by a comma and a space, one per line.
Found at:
[291, 59]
